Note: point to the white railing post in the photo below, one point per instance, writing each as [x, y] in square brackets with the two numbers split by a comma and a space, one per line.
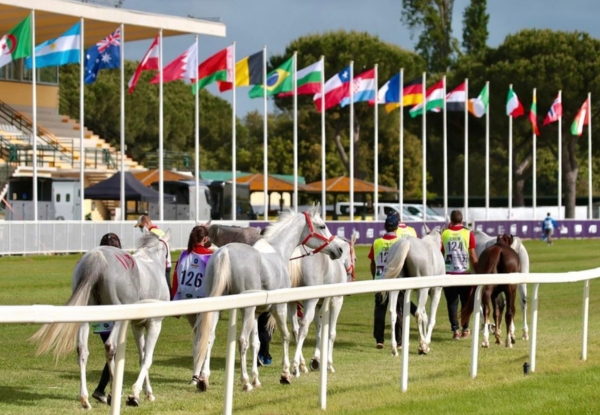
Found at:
[117, 382]
[324, 352]
[405, 337]
[586, 310]
[534, 315]
[229, 362]
[475, 331]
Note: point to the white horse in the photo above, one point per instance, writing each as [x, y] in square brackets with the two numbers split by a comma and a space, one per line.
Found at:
[482, 241]
[110, 276]
[311, 270]
[236, 268]
[413, 257]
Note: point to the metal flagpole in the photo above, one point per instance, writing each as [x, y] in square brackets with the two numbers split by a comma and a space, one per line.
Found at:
[323, 153]
[265, 148]
[401, 167]
[445, 136]
[351, 95]
[161, 184]
[534, 166]
[424, 141]
[589, 114]
[233, 141]
[197, 138]
[122, 143]
[376, 133]
[487, 155]
[34, 112]
[81, 121]
[295, 86]
[510, 149]
[560, 159]
[466, 151]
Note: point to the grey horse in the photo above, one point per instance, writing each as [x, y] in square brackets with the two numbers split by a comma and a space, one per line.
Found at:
[221, 235]
[110, 276]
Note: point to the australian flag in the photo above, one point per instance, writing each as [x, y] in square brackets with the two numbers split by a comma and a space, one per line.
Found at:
[105, 54]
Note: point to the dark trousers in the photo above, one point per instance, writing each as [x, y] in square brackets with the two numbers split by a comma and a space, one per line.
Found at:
[168, 276]
[381, 309]
[453, 295]
[105, 377]
[263, 335]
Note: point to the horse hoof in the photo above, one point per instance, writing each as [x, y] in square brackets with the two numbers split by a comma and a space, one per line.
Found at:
[150, 397]
[331, 369]
[422, 351]
[525, 336]
[85, 404]
[485, 345]
[512, 340]
[132, 401]
[285, 380]
[314, 364]
[202, 385]
[257, 384]
[247, 387]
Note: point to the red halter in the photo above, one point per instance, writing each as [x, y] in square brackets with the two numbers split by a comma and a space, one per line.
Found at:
[313, 234]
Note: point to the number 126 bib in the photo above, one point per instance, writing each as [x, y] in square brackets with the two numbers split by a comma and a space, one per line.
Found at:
[190, 274]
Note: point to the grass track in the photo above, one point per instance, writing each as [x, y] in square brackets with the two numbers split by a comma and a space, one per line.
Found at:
[366, 379]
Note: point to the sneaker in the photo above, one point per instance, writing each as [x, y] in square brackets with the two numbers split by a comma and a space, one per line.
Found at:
[466, 333]
[456, 335]
[380, 346]
[99, 396]
[260, 361]
[267, 361]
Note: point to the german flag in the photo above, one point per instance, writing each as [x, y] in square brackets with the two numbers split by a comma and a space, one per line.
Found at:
[412, 93]
[248, 71]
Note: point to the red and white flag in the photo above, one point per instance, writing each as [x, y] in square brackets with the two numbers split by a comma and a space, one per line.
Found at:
[183, 67]
[148, 63]
[555, 111]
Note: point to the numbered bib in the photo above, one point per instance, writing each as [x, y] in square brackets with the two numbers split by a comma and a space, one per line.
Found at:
[456, 252]
[102, 327]
[190, 275]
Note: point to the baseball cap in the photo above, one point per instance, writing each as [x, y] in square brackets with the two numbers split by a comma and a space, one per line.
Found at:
[140, 222]
[391, 221]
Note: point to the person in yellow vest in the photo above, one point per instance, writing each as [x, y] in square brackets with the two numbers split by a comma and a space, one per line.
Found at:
[458, 248]
[144, 221]
[378, 257]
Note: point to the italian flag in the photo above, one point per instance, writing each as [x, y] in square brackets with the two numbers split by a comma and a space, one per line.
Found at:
[533, 116]
[16, 44]
[219, 67]
[581, 119]
[434, 100]
[513, 105]
[478, 106]
[309, 80]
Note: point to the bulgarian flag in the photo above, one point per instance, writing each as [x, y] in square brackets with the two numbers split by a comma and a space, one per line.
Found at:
[533, 115]
[434, 100]
[513, 105]
[16, 43]
[219, 67]
[309, 80]
[581, 119]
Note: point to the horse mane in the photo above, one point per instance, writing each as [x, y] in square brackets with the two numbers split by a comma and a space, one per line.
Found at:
[146, 241]
[284, 219]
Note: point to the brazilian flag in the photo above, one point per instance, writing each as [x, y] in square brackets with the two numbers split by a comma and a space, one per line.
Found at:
[278, 81]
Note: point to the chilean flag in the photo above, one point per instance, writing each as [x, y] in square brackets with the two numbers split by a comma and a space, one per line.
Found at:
[149, 63]
[555, 111]
[363, 88]
[336, 89]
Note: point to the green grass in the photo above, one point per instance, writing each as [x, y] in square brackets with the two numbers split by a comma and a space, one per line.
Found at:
[366, 380]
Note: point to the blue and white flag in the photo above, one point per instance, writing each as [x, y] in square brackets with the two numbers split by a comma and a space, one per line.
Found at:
[59, 51]
[105, 54]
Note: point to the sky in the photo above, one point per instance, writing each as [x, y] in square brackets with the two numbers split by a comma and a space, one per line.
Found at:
[275, 23]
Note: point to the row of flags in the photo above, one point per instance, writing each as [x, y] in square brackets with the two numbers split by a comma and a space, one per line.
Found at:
[249, 72]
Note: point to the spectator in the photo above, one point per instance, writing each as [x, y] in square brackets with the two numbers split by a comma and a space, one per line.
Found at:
[549, 225]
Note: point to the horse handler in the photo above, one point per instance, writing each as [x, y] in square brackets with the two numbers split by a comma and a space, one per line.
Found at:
[458, 248]
[145, 222]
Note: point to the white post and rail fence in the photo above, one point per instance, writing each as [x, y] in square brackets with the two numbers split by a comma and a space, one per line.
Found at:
[39, 314]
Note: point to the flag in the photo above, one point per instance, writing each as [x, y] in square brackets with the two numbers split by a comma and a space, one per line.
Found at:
[308, 79]
[336, 88]
[16, 43]
[412, 93]
[105, 54]
[278, 80]
[434, 99]
[248, 71]
[555, 111]
[533, 116]
[182, 67]
[478, 106]
[455, 100]
[513, 105]
[59, 51]
[219, 67]
[389, 93]
[148, 63]
[581, 119]
[364, 88]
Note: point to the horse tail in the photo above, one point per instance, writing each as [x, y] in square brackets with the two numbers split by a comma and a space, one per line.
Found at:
[271, 325]
[295, 268]
[395, 261]
[62, 336]
[220, 264]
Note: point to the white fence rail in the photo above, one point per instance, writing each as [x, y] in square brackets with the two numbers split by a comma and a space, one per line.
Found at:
[63, 314]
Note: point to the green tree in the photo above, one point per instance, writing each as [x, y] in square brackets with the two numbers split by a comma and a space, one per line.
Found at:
[475, 27]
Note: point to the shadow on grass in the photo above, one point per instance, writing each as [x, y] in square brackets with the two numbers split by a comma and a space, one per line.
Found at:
[25, 397]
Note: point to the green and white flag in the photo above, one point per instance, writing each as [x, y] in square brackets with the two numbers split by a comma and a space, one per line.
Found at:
[434, 100]
[16, 44]
[478, 106]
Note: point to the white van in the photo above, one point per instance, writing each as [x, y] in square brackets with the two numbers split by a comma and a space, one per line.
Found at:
[417, 210]
[343, 209]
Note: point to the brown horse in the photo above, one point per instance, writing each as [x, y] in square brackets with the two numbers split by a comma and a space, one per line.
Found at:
[499, 258]
[221, 235]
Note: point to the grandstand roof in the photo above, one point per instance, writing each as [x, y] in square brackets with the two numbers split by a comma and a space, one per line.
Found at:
[342, 185]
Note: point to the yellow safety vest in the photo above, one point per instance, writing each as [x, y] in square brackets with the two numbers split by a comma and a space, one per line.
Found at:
[456, 250]
[381, 248]
[407, 231]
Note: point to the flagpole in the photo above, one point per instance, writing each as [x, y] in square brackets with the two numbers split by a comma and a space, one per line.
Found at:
[424, 141]
[510, 149]
[534, 167]
[34, 112]
[122, 144]
[376, 133]
[323, 153]
[265, 148]
[295, 81]
[445, 137]
[401, 166]
[161, 184]
[81, 122]
[233, 141]
[351, 95]
[197, 140]
[487, 156]
[560, 158]
[589, 114]
[466, 151]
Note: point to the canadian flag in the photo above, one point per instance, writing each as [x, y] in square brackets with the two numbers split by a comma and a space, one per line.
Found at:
[183, 67]
[148, 63]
